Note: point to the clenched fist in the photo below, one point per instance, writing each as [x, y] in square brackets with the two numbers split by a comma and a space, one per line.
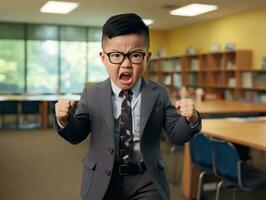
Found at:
[62, 110]
[186, 108]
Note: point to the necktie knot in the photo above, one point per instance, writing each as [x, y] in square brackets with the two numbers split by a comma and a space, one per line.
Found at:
[126, 93]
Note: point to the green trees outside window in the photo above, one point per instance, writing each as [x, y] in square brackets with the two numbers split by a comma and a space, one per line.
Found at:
[42, 72]
[12, 69]
[43, 59]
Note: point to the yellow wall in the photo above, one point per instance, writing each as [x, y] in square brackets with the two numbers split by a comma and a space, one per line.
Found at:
[157, 40]
[247, 30]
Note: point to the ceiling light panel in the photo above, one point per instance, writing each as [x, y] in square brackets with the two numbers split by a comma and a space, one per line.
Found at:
[58, 7]
[148, 21]
[193, 10]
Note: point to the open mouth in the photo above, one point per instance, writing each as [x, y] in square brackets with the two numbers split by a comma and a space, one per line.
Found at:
[125, 78]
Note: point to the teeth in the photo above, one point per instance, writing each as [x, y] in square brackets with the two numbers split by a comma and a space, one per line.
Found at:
[128, 74]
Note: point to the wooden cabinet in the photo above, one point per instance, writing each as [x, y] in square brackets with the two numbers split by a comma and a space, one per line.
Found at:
[223, 75]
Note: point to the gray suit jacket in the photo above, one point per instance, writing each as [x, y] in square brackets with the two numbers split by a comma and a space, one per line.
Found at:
[94, 116]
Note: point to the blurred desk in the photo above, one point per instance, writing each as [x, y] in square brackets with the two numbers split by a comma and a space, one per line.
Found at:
[249, 132]
[220, 107]
[216, 109]
[44, 101]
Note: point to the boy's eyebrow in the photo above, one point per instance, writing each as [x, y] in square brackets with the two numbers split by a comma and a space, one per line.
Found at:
[135, 50]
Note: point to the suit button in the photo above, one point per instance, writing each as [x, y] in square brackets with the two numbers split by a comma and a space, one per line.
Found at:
[110, 150]
[107, 172]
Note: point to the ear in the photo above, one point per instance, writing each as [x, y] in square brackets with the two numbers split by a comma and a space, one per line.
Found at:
[147, 61]
[149, 54]
[102, 56]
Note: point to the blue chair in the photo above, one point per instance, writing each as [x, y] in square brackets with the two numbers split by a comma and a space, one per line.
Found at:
[30, 108]
[9, 108]
[233, 171]
[201, 156]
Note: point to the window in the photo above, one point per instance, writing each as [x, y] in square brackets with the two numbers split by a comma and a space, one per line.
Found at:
[96, 70]
[73, 66]
[42, 58]
[73, 50]
[12, 62]
[12, 77]
[42, 70]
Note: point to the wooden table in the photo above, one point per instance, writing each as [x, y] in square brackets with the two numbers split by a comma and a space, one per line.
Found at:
[212, 109]
[249, 132]
[44, 100]
[228, 108]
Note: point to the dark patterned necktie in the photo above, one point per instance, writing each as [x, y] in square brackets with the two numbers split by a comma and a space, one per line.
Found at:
[126, 135]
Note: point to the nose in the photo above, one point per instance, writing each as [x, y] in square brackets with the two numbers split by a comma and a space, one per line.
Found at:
[126, 62]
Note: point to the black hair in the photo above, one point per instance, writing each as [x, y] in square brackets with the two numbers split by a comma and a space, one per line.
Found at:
[124, 24]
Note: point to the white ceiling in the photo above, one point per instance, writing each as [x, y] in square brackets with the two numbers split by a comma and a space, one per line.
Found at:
[95, 13]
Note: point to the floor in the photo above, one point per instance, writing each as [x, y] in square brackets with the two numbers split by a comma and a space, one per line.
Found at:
[37, 164]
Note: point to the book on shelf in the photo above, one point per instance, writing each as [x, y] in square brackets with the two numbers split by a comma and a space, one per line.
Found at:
[228, 95]
[260, 80]
[167, 80]
[217, 79]
[166, 66]
[222, 63]
[170, 65]
[231, 82]
[176, 65]
[195, 64]
[253, 96]
[230, 66]
[262, 98]
[152, 66]
[247, 80]
[193, 79]
[177, 80]
[250, 96]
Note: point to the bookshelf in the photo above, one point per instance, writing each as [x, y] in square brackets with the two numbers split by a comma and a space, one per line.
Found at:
[166, 71]
[224, 75]
[252, 85]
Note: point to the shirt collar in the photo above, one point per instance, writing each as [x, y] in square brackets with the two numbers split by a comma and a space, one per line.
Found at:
[136, 88]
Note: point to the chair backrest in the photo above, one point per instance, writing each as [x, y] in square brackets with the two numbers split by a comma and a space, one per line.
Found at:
[8, 107]
[30, 107]
[225, 160]
[201, 151]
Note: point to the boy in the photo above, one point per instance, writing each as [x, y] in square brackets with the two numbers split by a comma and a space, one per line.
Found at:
[125, 116]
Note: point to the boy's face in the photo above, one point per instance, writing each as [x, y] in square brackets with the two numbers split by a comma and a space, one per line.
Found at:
[123, 72]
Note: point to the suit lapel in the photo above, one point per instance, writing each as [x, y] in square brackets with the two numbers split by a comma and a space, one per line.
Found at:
[148, 99]
[104, 97]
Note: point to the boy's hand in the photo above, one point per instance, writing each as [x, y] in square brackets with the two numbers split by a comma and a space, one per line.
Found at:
[186, 108]
[62, 110]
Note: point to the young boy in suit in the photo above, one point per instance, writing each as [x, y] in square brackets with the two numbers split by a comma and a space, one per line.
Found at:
[125, 116]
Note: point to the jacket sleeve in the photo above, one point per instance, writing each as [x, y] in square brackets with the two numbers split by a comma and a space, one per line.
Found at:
[175, 125]
[78, 126]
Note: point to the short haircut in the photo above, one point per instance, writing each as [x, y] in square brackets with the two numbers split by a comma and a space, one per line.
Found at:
[124, 24]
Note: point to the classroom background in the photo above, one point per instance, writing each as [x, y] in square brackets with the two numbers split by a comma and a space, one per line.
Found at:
[218, 59]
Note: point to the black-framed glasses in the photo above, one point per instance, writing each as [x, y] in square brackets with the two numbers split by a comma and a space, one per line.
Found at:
[134, 57]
